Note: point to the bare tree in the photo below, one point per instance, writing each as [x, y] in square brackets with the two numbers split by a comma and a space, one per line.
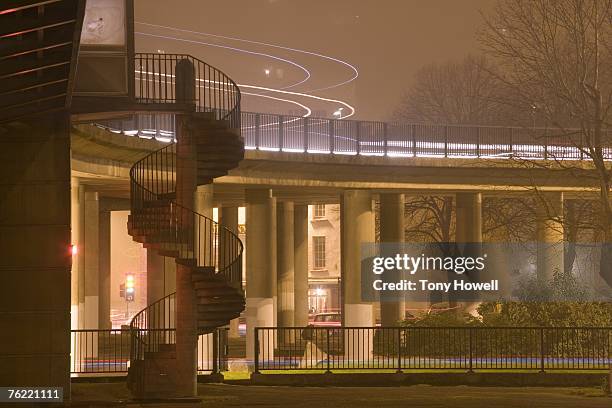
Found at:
[507, 219]
[556, 57]
[430, 219]
[464, 92]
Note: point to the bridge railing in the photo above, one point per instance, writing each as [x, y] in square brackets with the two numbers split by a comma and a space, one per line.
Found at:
[264, 131]
[320, 135]
[433, 348]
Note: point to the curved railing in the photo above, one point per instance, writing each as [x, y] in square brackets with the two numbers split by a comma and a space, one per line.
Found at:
[295, 134]
[156, 218]
[155, 83]
[190, 236]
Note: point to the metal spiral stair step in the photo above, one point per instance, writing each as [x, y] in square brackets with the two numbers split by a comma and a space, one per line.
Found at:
[220, 300]
[209, 284]
[217, 291]
[159, 202]
[220, 166]
[162, 238]
[223, 140]
[227, 309]
[209, 326]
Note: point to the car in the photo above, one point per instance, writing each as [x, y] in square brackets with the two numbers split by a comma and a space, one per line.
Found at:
[327, 320]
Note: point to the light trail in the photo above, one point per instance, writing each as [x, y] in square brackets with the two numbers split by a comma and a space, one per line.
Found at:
[354, 76]
[261, 54]
[306, 108]
[263, 88]
[305, 95]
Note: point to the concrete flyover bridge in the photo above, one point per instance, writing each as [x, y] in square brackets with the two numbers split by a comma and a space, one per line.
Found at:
[275, 184]
[318, 158]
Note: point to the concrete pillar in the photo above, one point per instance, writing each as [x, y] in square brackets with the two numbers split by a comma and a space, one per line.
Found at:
[90, 251]
[260, 267]
[35, 255]
[392, 310]
[357, 227]
[228, 217]
[75, 238]
[186, 306]
[104, 270]
[300, 261]
[80, 209]
[468, 216]
[468, 230]
[285, 267]
[549, 234]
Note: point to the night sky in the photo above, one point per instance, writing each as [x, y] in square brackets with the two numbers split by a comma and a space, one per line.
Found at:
[387, 40]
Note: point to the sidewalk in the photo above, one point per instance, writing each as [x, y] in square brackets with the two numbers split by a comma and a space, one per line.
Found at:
[220, 395]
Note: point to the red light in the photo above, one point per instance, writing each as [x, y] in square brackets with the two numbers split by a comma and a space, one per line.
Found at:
[74, 249]
[7, 11]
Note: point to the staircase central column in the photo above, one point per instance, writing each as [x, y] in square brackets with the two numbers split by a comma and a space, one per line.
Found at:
[186, 309]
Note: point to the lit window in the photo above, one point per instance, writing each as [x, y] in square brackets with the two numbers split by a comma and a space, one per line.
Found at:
[318, 211]
[318, 252]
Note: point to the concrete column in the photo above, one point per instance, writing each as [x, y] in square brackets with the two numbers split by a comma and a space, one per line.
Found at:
[80, 209]
[260, 267]
[285, 266]
[468, 230]
[392, 310]
[75, 238]
[468, 215]
[300, 278]
[90, 251]
[35, 256]
[204, 200]
[549, 234]
[357, 227]
[228, 217]
[186, 306]
[104, 270]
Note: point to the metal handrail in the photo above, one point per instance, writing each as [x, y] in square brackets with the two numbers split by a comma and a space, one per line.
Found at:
[190, 235]
[214, 91]
[287, 133]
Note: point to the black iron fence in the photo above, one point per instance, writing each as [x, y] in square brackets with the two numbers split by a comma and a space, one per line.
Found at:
[100, 352]
[433, 348]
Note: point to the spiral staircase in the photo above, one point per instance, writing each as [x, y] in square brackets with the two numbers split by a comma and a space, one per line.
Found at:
[210, 104]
